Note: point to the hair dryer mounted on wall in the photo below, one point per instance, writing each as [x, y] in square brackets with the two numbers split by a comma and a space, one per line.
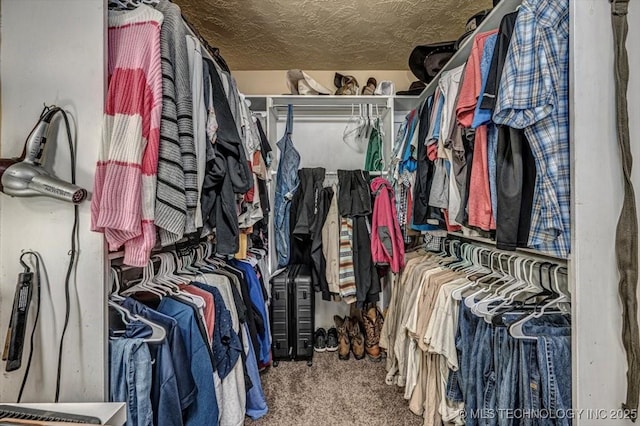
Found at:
[25, 177]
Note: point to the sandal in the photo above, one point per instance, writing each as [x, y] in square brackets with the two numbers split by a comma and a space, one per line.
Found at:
[370, 88]
[346, 84]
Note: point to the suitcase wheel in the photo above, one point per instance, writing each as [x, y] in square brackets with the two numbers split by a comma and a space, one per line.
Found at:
[276, 363]
[309, 363]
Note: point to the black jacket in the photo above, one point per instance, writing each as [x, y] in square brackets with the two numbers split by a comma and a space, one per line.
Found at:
[226, 175]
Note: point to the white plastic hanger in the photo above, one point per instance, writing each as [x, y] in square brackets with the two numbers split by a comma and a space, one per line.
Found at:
[471, 299]
[516, 329]
[481, 308]
[143, 284]
[115, 285]
[476, 257]
[158, 333]
[525, 285]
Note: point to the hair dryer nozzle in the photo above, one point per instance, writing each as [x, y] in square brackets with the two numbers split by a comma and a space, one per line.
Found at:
[56, 188]
[29, 180]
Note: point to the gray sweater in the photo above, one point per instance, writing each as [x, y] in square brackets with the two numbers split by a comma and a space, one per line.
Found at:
[177, 188]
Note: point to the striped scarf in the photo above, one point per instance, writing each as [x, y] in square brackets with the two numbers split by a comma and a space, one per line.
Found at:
[347, 274]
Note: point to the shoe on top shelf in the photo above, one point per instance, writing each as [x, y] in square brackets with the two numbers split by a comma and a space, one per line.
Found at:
[320, 340]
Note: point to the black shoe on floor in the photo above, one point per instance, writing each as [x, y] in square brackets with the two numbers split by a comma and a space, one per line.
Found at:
[320, 340]
[332, 339]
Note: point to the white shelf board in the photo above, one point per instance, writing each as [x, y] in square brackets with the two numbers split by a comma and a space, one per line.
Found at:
[405, 103]
[321, 101]
[258, 102]
[110, 413]
[402, 103]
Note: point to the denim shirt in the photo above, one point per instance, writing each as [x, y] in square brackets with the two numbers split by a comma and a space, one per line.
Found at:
[286, 185]
[170, 361]
[130, 377]
[204, 410]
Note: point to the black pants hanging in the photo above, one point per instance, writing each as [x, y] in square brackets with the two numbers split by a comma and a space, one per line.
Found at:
[366, 274]
[468, 141]
[516, 178]
[302, 217]
[319, 263]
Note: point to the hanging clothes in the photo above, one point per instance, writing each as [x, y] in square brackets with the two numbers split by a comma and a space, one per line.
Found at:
[331, 241]
[538, 64]
[123, 202]
[354, 202]
[130, 378]
[374, 160]
[387, 245]
[286, 186]
[479, 204]
[174, 389]
[177, 189]
[196, 70]
[423, 214]
[318, 259]
[346, 270]
[452, 359]
[515, 166]
[226, 175]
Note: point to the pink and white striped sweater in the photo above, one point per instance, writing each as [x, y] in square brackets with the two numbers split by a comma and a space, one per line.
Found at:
[125, 185]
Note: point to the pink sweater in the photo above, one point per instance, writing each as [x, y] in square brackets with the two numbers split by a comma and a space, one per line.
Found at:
[125, 185]
[387, 245]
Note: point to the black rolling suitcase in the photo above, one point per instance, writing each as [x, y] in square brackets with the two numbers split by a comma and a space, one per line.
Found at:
[304, 314]
[280, 292]
[292, 315]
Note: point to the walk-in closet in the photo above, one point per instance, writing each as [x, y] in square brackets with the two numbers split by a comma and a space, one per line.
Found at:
[282, 212]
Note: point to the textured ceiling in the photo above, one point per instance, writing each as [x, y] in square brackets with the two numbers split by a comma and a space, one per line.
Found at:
[326, 34]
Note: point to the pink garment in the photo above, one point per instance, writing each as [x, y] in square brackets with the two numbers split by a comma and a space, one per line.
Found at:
[123, 202]
[387, 245]
[209, 308]
[479, 205]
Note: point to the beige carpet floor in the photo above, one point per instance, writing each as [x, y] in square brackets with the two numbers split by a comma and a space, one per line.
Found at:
[332, 392]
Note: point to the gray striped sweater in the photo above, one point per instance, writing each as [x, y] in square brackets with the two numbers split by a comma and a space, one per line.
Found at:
[177, 188]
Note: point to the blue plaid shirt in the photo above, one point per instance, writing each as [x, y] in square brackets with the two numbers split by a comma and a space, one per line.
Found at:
[534, 96]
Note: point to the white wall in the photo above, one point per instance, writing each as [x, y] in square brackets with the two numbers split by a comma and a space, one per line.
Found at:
[53, 52]
[599, 360]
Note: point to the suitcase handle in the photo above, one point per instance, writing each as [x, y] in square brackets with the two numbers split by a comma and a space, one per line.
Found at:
[304, 294]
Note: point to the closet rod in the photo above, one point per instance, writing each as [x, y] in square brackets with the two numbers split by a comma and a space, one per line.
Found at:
[374, 173]
[349, 106]
[524, 252]
[326, 114]
[119, 255]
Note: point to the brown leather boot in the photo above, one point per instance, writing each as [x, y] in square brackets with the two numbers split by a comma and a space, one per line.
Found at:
[373, 326]
[344, 343]
[357, 339]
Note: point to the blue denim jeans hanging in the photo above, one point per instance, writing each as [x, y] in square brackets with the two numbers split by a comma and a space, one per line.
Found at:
[286, 185]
